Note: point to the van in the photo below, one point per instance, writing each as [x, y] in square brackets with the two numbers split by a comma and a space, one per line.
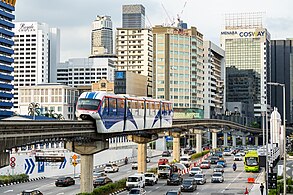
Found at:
[164, 171]
[186, 160]
[135, 181]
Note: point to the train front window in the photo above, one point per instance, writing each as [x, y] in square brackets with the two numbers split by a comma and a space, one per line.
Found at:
[251, 161]
[88, 104]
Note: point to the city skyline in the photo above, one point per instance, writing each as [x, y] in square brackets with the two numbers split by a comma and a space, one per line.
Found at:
[78, 18]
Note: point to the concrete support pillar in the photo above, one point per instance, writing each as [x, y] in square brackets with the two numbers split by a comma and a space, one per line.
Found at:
[86, 151]
[225, 139]
[199, 142]
[256, 140]
[214, 140]
[176, 146]
[141, 157]
[244, 141]
[234, 143]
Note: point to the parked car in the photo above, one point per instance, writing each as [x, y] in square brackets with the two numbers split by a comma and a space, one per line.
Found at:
[219, 168]
[102, 181]
[100, 174]
[174, 179]
[166, 153]
[195, 170]
[136, 191]
[64, 181]
[31, 192]
[174, 192]
[150, 179]
[237, 157]
[188, 185]
[205, 165]
[200, 178]
[222, 162]
[111, 167]
[217, 177]
[163, 161]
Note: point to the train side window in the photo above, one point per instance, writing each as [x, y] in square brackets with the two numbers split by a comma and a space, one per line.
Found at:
[148, 109]
[113, 106]
[105, 108]
[120, 106]
[129, 105]
[152, 107]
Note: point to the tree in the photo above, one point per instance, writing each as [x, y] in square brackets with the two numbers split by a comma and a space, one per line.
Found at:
[34, 109]
[52, 114]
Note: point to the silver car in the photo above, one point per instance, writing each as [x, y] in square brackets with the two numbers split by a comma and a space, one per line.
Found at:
[219, 168]
[137, 191]
[200, 179]
[195, 170]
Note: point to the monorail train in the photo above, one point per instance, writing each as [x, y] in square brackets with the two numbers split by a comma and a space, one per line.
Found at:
[116, 113]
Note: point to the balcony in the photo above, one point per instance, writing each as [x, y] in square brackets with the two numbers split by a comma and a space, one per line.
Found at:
[4, 95]
[6, 86]
[6, 105]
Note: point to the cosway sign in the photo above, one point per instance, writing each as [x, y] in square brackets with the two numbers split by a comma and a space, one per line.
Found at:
[245, 34]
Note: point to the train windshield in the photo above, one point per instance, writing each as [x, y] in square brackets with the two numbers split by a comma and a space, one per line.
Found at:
[88, 104]
[251, 161]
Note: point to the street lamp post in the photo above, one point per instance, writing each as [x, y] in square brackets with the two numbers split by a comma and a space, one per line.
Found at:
[284, 133]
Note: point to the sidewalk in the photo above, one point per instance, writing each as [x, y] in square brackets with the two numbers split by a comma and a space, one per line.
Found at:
[255, 188]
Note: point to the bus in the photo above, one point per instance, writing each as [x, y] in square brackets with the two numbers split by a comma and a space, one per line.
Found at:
[251, 161]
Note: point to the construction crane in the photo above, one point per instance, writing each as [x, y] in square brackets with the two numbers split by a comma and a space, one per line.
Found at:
[179, 15]
[172, 22]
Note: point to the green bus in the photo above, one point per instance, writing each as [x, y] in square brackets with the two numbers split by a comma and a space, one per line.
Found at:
[251, 161]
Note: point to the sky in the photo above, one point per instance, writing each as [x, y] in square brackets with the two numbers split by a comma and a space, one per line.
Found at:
[74, 17]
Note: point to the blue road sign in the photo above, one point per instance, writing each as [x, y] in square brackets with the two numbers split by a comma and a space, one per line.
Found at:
[29, 166]
[62, 164]
[41, 167]
[169, 139]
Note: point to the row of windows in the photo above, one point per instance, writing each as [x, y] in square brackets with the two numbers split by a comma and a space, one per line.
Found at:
[88, 69]
[22, 40]
[22, 49]
[27, 44]
[33, 35]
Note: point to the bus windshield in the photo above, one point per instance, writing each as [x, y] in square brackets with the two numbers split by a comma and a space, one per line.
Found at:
[251, 161]
[88, 104]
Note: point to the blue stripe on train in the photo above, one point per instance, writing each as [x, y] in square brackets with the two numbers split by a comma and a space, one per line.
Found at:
[91, 95]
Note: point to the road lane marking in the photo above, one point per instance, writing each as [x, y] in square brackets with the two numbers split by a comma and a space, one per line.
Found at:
[232, 181]
[7, 191]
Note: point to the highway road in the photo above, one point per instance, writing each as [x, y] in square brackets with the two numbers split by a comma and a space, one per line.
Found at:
[235, 182]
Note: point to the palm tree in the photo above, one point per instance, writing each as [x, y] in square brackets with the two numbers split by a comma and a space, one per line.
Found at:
[50, 114]
[34, 109]
[59, 116]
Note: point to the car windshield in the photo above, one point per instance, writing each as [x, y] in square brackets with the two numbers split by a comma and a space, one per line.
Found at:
[237, 155]
[134, 191]
[195, 169]
[217, 175]
[100, 179]
[171, 193]
[251, 161]
[198, 176]
[108, 165]
[61, 178]
[163, 168]
[221, 161]
[88, 104]
[184, 159]
[174, 176]
[148, 175]
[204, 163]
[132, 179]
[215, 158]
[187, 181]
[219, 166]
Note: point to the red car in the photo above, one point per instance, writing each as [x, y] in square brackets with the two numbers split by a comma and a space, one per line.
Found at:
[163, 161]
[205, 165]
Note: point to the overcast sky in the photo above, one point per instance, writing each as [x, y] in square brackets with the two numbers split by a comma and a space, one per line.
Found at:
[74, 17]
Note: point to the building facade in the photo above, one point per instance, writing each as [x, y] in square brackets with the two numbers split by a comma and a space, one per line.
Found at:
[103, 85]
[37, 53]
[6, 59]
[281, 72]
[134, 48]
[55, 98]
[247, 46]
[178, 67]
[133, 16]
[102, 36]
[214, 79]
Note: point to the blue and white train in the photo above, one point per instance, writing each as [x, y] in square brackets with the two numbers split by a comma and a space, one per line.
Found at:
[116, 113]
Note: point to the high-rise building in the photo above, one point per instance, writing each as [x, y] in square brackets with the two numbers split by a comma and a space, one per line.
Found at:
[214, 79]
[6, 60]
[281, 72]
[37, 53]
[102, 36]
[247, 46]
[133, 16]
[178, 68]
[134, 48]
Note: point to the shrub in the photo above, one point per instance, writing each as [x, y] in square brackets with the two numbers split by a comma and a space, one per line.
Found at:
[198, 155]
[153, 170]
[6, 179]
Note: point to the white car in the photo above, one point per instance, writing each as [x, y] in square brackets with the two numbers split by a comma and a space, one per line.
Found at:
[241, 152]
[238, 157]
[227, 153]
[217, 177]
[111, 167]
[134, 166]
[195, 170]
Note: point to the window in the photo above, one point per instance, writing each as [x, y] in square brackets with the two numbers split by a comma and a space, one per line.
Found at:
[103, 85]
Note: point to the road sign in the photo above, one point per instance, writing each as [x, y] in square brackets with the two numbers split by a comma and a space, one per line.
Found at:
[12, 159]
[74, 163]
[29, 166]
[74, 157]
[41, 167]
[49, 158]
[272, 181]
[12, 164]
[62, 164]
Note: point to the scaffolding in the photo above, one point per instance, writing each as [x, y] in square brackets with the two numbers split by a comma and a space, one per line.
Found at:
[244, 20]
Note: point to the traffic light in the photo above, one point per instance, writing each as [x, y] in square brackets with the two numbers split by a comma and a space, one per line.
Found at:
[272, 181]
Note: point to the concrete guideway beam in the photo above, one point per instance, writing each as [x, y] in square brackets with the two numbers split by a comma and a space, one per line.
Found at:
[87, 151]
[225, 139]
[256, 140]
[234, 143]
[199, 141]
[176, 146]
[214, 140]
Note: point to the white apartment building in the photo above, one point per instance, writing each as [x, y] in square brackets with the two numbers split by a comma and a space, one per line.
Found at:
[134, 48]
[214, 79]
[60, 99]
[85, 71]
[37, 52]
[102, 36]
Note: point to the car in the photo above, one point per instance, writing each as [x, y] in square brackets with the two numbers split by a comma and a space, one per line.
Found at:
[237, 157]
[148, 159]
[200, 179]
[100, 181]
[174, 192]
[134, 166]
[64, 181]
[214, 159]
[31, 192]
[111, 167]
[241, 152]
[222, 162]
[135, 191]
[151, 179]
[135, 181]
[188, 185]
[99, 174]
[205, 165]
[219, 168]
[219, 153]
[163, 161]
[174, 179]
[166, 153]
[227, 152]
[186, 160]
[217, 177]
[195, 170]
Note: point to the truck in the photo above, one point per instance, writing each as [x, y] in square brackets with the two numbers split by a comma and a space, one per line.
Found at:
[151, 179]
[164, 171]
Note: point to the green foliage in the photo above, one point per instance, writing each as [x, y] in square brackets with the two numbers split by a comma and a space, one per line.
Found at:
[280, 188]
[255, 124]
[6, 179]
[153, 170]
[198, 155]
[290, 153]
